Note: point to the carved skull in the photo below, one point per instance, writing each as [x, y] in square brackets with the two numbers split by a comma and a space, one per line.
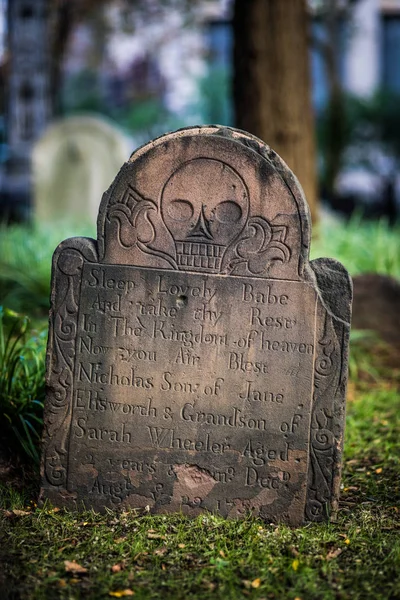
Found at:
[205, 200]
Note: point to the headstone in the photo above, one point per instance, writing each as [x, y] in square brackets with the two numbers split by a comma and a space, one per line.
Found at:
[76, 159]
[197, 360]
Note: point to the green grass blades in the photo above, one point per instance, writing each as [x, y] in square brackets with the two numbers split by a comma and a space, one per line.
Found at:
[51, 553]
[361, 361]
[25, 264]
[361, 246]
[22, 383]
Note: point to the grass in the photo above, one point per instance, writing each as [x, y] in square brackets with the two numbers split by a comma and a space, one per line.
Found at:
[357, 556]
[49, 553]
[362, 246]
[25, 264]
[22, 389]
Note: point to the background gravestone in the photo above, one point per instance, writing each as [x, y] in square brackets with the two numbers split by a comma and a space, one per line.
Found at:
[196, 359]
[75, 160]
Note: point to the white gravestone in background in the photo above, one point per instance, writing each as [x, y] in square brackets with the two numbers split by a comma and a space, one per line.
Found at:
[76, 159]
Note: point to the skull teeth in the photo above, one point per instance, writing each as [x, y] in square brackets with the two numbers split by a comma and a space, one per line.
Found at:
[199, 255]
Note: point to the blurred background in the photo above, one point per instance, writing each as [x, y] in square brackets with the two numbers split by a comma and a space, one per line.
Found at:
[83, 83]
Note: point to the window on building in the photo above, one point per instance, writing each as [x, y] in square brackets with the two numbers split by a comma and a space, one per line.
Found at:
[26, 11]
[319, 75]
[390, 55]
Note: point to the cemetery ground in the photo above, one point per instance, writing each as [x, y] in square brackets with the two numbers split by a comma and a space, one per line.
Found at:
[52, 553]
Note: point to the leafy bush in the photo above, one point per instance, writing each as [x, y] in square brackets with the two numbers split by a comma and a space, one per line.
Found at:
[214, 103]
[22, 383]
[81, 92]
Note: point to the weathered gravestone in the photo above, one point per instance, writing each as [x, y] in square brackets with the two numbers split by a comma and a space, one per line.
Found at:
[196, 359]
[76, 159]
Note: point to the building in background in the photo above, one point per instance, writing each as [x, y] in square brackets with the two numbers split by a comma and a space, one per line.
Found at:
[369, 70]
[157, 71]
[27, 100]
[369, 48]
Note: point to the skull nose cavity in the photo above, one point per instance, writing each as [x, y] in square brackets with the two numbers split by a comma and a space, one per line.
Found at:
[201, 228]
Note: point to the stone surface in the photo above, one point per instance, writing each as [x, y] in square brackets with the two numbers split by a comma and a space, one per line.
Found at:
[75, 160]
[196, 359]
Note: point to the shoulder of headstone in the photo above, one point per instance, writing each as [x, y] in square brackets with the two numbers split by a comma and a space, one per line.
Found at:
[335, 287]
[69, 257]
[84, 245]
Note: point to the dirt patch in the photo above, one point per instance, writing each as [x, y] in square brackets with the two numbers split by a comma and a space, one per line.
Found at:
[15, 472]
[376, 307]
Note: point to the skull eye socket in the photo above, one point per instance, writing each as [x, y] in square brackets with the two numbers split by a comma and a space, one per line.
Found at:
[228, 212]
[180, 210]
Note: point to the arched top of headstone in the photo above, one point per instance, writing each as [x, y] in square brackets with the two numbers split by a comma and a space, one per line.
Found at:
[81, 125]
[207, 199]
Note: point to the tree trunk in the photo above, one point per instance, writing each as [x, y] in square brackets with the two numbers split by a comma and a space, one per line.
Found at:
[64, 15]
[271, 86]
[336, 117]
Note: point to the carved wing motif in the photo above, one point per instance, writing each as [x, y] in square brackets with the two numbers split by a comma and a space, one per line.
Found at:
[259, 247]
[140, 225]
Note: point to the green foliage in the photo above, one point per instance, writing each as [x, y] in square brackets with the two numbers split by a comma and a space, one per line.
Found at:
[25, 265]
[22, 384]
[377, 120]
[81, 93]
[361, 361]
[334, 133]
[24, 270]
[214, 93]
[144, 117]
[372, 441]
[362, 246]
